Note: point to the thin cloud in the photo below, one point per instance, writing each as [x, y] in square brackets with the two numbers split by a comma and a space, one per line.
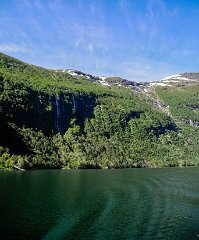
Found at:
[90, 47]
[148, 35]
[123, 5]
[56, 5]
[156, 8]
[142, 69]
[12, 48]
[24, 3]
[39, 5]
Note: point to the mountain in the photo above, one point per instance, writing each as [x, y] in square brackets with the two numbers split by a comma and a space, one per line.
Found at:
[67, 118]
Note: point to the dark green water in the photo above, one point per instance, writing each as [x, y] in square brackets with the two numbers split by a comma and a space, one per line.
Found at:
[100, 204]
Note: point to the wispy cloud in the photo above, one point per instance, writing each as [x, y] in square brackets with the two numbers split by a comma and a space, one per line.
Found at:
[156, 8]
[144, 69]
[39, 5]
[123, 5]
[12, 48]
[24, 3]
[138, 40]
[90, 47]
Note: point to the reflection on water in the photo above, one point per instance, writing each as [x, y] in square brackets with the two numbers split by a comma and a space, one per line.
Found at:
[100, 204]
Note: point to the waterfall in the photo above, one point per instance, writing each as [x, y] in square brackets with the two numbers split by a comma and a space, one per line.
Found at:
[74, 106]
[57, 114]
[63, 103]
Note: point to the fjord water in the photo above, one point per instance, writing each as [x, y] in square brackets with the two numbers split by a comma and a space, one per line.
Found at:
[100, 204]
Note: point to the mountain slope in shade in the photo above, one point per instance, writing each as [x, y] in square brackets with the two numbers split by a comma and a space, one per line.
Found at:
[66, 118]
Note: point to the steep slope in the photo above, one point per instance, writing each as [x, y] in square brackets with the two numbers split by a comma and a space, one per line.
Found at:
[56, 118]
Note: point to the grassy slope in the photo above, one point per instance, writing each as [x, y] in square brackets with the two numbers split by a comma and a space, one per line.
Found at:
[119, 130]
[183, 104]
[183, 101]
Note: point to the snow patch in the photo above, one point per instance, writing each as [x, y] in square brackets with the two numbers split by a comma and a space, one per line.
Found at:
[182, 78]
[159, 84]
[104, 83]
[172, 76]
[102, 77]
[175, 77]
[73, 73]
[173, 81]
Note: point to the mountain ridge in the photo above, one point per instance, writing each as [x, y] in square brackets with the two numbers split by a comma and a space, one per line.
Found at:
[66, 118]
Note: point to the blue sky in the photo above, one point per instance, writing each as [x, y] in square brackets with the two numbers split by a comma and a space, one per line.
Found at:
[139, 40]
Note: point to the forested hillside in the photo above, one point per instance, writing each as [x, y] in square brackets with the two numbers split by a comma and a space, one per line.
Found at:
[52, 119]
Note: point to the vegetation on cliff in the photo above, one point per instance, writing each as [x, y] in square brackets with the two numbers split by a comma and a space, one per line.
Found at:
[50, 119]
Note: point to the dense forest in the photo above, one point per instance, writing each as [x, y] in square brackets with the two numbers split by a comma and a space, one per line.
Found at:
[51, 119]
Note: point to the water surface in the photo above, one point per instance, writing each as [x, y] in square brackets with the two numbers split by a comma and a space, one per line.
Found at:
[100, 204]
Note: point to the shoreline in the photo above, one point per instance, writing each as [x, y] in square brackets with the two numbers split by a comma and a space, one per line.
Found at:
[68, 169]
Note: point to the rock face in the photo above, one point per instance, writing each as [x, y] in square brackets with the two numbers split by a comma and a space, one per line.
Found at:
[141, 87]
[68, 118]
[192, 123]
[191, 76]
[68, 106]
[146, 88]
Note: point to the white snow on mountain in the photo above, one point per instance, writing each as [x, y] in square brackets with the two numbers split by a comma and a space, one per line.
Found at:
[175, 77]
[73, 74]
[158, 84]
[102, 77]
[170, 77]
[104, 83]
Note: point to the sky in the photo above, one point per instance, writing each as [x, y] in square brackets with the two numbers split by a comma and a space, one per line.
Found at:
[139, 40]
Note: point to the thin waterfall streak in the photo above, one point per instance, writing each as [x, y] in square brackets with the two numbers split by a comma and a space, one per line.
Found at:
[74, 106]
[63, 104]
[57, 114]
